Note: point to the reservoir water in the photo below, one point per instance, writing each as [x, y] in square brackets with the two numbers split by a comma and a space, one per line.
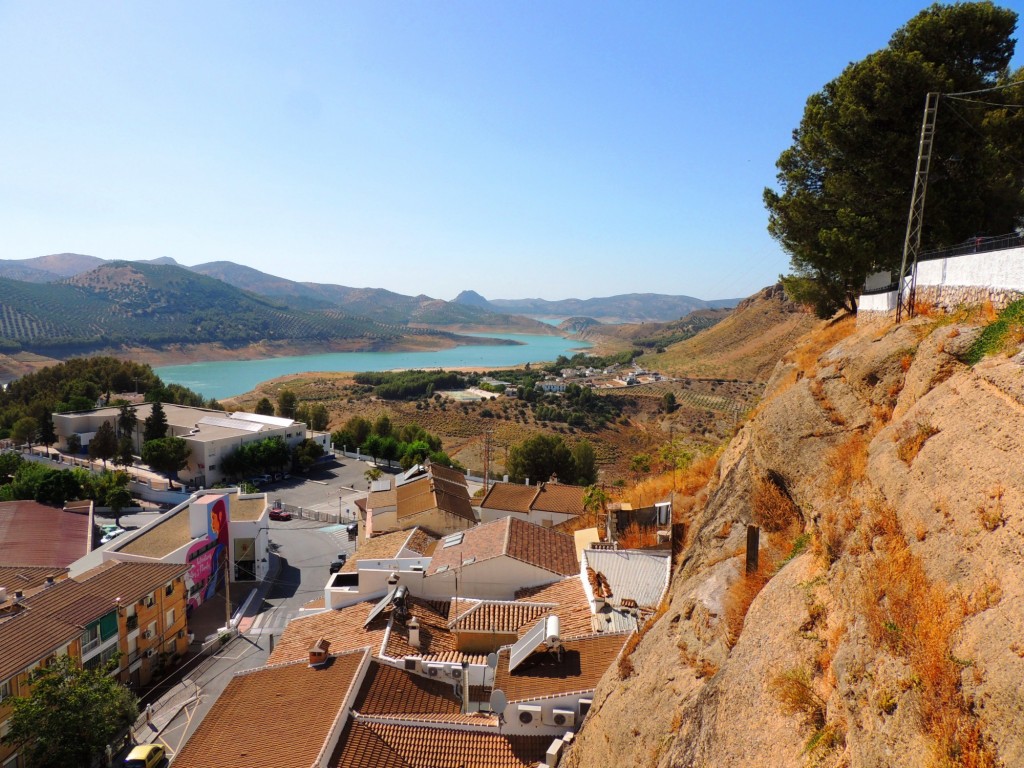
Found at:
[233, 377]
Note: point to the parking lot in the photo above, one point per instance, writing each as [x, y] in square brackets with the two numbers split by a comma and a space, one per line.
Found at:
[331, 488]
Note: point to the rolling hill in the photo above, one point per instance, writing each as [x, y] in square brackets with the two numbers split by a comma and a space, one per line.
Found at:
[623, 308]
[153, 305]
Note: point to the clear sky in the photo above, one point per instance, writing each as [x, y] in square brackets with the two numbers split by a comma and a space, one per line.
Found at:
[521, 149]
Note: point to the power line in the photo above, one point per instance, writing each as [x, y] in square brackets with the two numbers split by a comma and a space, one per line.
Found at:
[986, 90]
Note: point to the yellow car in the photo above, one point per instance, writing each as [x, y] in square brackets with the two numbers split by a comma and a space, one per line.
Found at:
[146, 756]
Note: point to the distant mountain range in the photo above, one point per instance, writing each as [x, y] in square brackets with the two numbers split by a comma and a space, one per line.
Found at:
[624, 308]
[70, 303]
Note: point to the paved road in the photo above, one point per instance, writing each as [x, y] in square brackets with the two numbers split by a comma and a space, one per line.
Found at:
[303, 552]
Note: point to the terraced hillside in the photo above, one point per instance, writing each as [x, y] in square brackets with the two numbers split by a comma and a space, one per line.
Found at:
[152, 305]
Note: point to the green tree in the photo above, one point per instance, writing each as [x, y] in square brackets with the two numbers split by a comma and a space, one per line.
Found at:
[586, 463]
[640, 465]
[168, 455]
[373, 446]
[373, 473]
[127, 418]
[74, 443]
[286, 403]
[57, 487]
[118, 500]
[155, 425]
[47, 432]
[125, 456]
[104, 443]
[25, 430]
[70, 715]
[9, 465]
[846, 180]
[264, 407]
[382, 426]
[319, 417]
[668, 402]
[306, 453]
[538, 458]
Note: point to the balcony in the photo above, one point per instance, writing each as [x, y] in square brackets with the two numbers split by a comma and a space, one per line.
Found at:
[132, 622]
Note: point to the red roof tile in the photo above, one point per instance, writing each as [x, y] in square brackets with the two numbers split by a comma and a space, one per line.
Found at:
[511, 537]
[541, 675]
[35, 534]
[301, 706]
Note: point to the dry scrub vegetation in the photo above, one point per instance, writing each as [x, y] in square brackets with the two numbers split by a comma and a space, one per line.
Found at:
[916, 619]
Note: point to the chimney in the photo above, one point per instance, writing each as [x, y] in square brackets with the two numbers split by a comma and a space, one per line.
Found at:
[318, 653]
[414, 632]
[49, 581]
[18, 594]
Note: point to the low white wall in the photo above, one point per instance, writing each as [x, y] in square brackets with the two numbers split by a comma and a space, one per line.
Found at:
[877, 302]
[992, 269]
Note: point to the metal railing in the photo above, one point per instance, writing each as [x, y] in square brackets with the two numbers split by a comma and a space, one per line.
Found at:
[976, 245]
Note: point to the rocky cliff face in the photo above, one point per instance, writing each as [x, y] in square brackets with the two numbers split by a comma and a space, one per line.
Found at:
[886, 624]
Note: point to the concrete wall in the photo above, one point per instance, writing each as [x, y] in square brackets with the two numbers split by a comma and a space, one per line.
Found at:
[995, 276]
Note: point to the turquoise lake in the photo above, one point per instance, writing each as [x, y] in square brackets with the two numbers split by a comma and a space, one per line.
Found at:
[224, 379]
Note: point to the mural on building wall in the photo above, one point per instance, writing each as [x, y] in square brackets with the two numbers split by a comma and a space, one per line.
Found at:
[207, 556]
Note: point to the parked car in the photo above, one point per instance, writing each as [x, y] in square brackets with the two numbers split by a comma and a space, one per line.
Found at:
[146, 756]
[339, 562]
[352, 529]
[110, 532]
[277, 513]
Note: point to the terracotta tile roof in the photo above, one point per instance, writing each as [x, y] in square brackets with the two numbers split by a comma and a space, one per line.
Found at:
[389, 745]
[511, 537]
[427, 493]
[291, 732]
[27, 577]
[379, 499]
[510, 497]
[573, 607]
[436, 640]
[343, 628]
[390, 691]
[447, 474]
[54, 616]
[542, 675]
[555, 497]
[545, 497]
[35, 534]
[421, 542]
[316, 602]
[500, 616]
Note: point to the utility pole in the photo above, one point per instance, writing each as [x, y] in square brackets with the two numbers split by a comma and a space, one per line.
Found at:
[487, 459]
[227, 590]
[915, 219]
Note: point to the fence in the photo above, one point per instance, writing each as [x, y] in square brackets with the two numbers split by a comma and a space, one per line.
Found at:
[319, 515]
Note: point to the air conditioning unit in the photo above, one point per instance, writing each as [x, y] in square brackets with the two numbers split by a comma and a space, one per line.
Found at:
[435, 670]
[561, 717]
[181, 634]
[147, 634]
[148, 653]
[585, 705]
[410, 665]
[529, 713]
[456, 673]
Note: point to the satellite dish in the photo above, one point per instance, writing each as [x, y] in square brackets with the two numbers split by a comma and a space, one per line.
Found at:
[492, 661]
[498, 701]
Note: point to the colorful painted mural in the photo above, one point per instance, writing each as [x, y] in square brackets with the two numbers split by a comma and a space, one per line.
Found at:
[207, 556]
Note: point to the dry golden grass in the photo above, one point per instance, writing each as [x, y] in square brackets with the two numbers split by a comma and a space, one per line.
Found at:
[741, 594]
[916, 619]
[625, 657]
[795, 691]
[638, 536]
[911, 445]
[771, 507]
[812, 346]
[991, 512]
[848, 462]
[834, 528]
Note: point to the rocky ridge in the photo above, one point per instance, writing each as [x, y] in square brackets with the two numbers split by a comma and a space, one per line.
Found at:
[885, 625]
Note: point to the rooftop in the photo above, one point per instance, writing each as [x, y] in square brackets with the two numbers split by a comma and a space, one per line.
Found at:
[544, 497]
[544, 673]
[572, 606]
[390, 546]
[53, 616]
[632, 574]
[343, 628]
[35, 534]
[390, 745]
[27, 577]
[510, 537]
[294, 733]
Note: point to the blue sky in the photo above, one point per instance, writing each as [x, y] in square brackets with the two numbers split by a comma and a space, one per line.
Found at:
[520, 149]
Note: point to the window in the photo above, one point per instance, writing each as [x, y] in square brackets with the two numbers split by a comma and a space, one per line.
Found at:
[169, 619]
[5, 689]
[169, 589]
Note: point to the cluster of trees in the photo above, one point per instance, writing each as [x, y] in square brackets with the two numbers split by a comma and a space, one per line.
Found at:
[540, 457]
[845, 183]
[409, 445]
[270, 455]
[315, 415]
[21, 479]
[79, 384]
[409, 385]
